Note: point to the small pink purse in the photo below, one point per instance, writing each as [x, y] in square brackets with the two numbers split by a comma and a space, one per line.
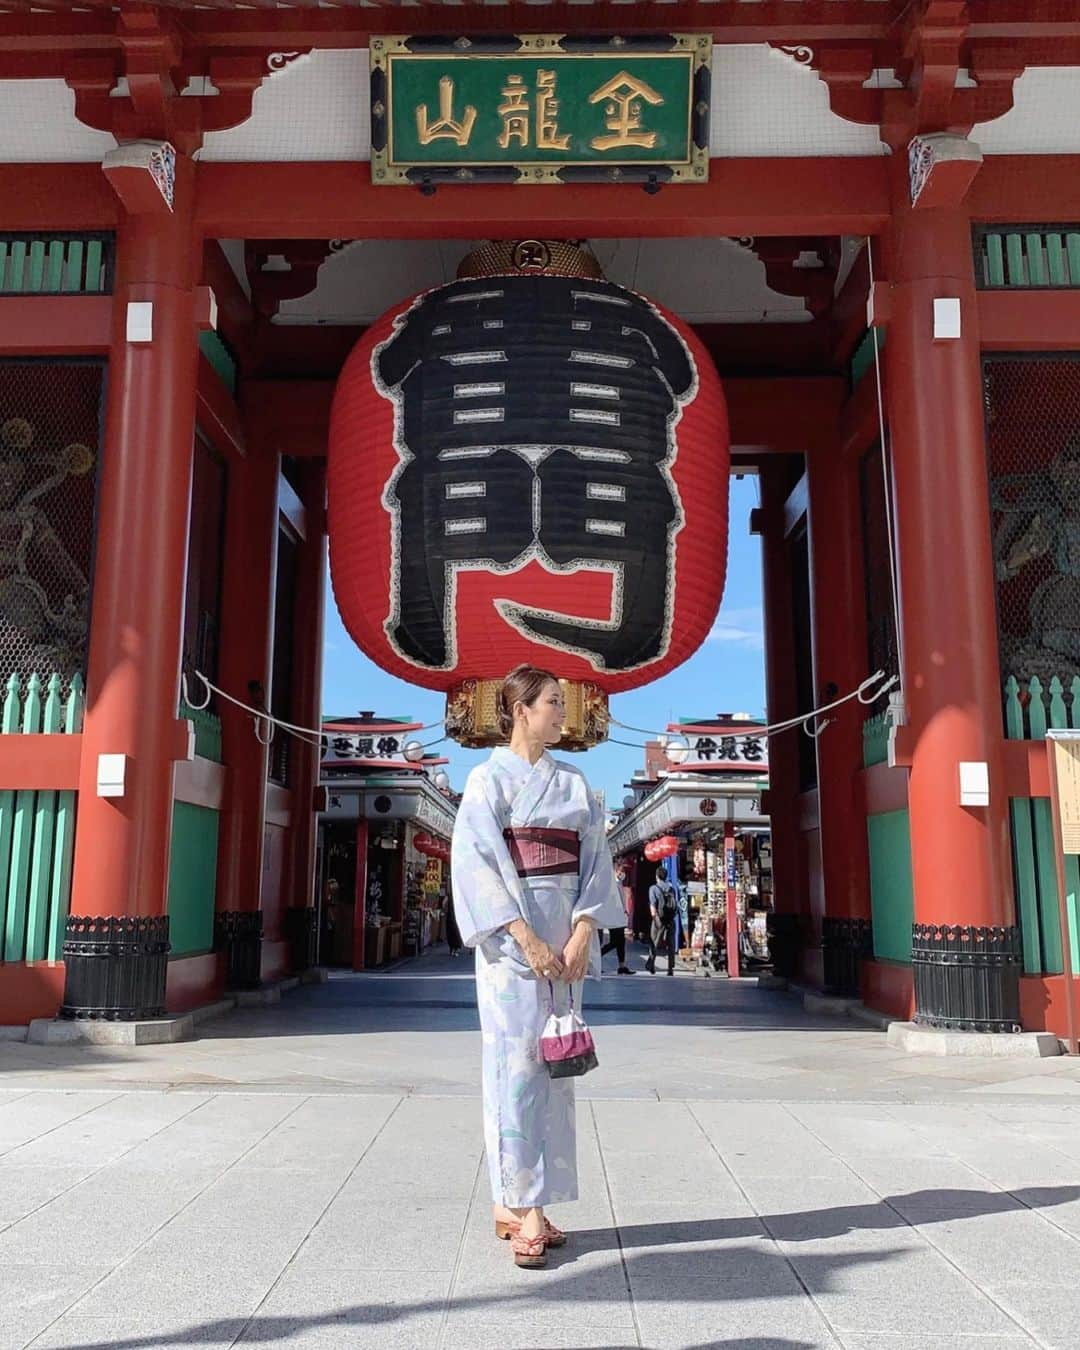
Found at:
[566, 1043]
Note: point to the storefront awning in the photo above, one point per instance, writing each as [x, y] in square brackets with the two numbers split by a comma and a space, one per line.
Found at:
[686, 804]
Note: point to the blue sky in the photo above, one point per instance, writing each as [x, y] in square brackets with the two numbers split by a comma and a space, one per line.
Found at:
[726, 674]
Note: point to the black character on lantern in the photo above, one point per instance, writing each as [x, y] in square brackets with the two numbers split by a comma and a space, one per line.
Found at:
[535, 421]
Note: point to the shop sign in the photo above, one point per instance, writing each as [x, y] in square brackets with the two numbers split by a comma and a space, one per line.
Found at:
[719, 751]
[542, 109]
[378, 748]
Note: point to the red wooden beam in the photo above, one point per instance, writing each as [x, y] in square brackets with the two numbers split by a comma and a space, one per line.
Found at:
[1012, 189]
[1049, 20]
[40, 763]
[1031, 321]
[308, 200]
[217, 414]
[793, 415]
[860, 421]
[303, 24]
[201, 782]
[809, 816]
[56, 197]
[1027, 773]
[766, 21]
[55, 325]
[291, 417]
[882, 789]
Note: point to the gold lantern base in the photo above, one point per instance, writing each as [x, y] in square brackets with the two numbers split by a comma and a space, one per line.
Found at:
[472, 718]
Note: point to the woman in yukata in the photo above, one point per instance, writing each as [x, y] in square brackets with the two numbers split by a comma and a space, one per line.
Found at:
[533, 880]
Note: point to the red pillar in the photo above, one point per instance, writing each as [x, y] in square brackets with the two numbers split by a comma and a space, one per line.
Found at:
[732, 912]
[838, 629]
[781, 700]
[307, 685]
[122, 843]
[960, 854]
[247, 624]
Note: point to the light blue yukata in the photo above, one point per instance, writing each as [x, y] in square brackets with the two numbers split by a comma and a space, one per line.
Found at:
[528, 1116]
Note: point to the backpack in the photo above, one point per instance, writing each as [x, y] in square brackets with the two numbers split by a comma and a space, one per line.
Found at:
[665, 900]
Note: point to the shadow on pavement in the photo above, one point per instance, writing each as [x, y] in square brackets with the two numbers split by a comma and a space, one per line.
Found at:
[728, 1275]
[919, 1207]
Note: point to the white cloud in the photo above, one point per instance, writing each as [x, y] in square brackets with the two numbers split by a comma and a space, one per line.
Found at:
[739, 627]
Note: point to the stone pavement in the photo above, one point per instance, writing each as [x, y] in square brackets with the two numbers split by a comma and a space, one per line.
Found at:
[309, 1175]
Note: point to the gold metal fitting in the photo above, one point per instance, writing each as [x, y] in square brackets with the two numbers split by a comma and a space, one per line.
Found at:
[530, 257]
[472, 717]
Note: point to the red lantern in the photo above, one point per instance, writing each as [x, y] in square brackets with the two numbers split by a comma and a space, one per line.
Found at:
[528, 468]
[650, 851]
[423, 843]
[667, 845]
[442, 850]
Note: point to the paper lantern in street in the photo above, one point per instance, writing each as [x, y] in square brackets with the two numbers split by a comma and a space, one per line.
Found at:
[529, 464]
[424, 844]
[666, 845]
[650, 851]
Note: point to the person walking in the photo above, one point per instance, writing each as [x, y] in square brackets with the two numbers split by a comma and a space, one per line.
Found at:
[532, 881]
[663, 913]
[453, 935]
[616, 938]
[616, 942]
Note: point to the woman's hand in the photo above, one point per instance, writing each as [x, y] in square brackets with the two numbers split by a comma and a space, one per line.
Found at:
[576, 952]
[544, 961]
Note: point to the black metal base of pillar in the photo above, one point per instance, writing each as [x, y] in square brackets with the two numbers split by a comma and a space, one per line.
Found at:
[300, 931]
[785, 944]
[845, 943]
[115, 967]
[238, 933]
[967, 978]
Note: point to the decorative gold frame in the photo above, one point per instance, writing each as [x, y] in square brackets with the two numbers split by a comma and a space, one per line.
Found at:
[386, 173]
[472, 717]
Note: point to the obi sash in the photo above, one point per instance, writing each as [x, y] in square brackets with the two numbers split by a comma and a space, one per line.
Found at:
[537, 852]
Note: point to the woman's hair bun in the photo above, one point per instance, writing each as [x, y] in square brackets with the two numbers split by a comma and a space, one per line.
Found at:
[524, 684]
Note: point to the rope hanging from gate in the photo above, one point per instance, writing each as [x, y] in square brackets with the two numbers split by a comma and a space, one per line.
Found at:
[309, 735]
[887, 485]
[865, 693]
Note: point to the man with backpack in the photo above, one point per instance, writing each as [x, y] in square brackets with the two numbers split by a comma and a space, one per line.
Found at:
[663, 911]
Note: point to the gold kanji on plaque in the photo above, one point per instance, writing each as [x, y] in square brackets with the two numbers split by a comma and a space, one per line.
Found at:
[624, 95]
[547, 114]
[445, 128]
[514, 111]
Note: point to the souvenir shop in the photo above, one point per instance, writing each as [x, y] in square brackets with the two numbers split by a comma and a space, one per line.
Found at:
[383, 874]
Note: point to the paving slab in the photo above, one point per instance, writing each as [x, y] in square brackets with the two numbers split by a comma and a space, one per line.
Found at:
[310, 1174]
[80, 1333]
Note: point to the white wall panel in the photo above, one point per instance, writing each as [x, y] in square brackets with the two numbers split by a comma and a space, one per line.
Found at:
[1044, 119]
[766, 103]
[317, 107]
[703, 280]
[38, 125]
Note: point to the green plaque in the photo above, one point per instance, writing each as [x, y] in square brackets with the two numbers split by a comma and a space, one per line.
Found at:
[544, 109]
